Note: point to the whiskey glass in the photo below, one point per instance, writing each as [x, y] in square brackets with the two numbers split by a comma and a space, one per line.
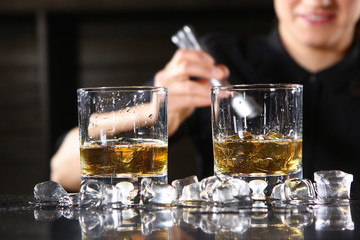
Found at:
[257, 131]
[123, 134]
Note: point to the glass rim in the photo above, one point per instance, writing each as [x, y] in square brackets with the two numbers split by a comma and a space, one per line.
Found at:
[122, 88]
[258, 86]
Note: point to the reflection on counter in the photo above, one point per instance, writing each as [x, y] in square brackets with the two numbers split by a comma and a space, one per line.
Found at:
[333, 218]
[258, 222]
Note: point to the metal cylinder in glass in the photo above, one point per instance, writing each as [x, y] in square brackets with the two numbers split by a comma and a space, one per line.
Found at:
[257, 131]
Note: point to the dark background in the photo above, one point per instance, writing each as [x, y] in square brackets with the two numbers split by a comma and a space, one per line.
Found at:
[49, 48]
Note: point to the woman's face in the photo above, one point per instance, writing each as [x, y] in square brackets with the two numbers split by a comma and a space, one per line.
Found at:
[318, 23]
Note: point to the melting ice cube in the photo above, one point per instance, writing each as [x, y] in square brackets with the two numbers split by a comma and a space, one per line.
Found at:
[294, 190]
[96, 193]
[333, 185]
[191, 192]
[224, 189]
[51, 193]
[157, 192]
[179, 184]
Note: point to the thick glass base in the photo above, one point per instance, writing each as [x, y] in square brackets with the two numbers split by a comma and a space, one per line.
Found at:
[113, 180]
[271, 180]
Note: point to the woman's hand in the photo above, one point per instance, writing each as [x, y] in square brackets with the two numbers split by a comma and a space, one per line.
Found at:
[65, 164]
[184, 95]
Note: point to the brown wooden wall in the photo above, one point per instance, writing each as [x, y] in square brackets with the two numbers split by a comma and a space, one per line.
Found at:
[50, 48]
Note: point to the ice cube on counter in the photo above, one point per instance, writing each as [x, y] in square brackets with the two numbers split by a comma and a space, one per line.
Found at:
[157, 192]
[333, 185]
[51, 193]
[294, 190]
[179, 184]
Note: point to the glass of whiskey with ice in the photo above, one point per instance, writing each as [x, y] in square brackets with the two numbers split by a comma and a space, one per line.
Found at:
[257, 131]
[123, 134]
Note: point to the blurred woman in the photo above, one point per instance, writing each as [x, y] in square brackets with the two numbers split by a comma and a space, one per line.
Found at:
[313, 44]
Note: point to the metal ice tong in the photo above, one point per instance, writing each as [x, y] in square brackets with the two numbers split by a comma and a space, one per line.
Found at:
[186, 38]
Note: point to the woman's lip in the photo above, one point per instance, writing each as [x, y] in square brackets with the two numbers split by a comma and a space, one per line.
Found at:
[317, 18]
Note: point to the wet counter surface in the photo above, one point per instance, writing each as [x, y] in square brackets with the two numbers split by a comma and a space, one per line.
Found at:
[21, 220]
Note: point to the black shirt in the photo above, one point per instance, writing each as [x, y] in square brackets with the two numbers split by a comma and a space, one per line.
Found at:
[331, 116]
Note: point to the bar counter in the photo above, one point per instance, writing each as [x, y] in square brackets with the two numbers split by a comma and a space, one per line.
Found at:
[19, 219]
